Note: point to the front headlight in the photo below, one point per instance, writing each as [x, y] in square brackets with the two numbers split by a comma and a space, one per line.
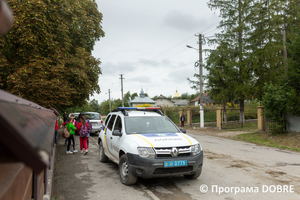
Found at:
[146, 152]
[196, 149]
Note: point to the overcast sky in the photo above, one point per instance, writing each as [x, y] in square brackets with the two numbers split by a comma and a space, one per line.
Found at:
[146, 42]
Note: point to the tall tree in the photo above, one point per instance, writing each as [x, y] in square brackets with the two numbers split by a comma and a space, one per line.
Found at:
[291, 13]
[266, 46]
[95, 107]
[46, 57]
[234, 28]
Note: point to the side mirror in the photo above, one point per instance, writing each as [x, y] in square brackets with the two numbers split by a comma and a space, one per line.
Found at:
[116, 133]
[183, 130]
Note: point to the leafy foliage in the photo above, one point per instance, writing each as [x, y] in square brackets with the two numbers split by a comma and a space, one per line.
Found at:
[274, 101]
[46, 57]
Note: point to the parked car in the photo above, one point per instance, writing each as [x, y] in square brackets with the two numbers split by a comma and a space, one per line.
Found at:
[75, 115]
[95, 119]
[145, 143]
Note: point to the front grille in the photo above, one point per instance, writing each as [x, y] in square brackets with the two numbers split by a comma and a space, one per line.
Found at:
[166, 152]
[169, 155]
[173, 170]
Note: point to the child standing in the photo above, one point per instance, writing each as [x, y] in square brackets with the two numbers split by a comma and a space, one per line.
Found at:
[74, 122]
[83, 132]
[89, 128]
[71, 128]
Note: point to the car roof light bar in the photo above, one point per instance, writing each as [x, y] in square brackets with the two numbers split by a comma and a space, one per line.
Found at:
[154, 109]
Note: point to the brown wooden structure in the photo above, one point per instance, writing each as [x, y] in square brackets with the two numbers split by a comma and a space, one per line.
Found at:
[27, 149]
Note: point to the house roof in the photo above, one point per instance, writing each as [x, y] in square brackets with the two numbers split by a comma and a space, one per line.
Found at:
[206, 98]
[142, 99]
[180, 102]
[161, 97]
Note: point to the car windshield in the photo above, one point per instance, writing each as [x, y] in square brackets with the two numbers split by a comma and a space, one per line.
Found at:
[153, 124]
[92, 116]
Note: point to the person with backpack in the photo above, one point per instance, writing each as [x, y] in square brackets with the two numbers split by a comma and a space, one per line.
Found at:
[71, 128]
[83, 133]
[74, 122]
[90, 127]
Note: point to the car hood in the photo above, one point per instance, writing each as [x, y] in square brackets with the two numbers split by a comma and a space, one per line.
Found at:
[163, 140]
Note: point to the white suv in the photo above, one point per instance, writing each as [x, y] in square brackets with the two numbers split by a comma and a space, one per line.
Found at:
[145, 143]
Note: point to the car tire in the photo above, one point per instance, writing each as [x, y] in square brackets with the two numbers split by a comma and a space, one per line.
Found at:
[102, 156]
[126, 177]
[194, 176]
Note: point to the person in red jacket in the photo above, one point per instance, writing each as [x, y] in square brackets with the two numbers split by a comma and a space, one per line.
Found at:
[56, 130]
[83, 140]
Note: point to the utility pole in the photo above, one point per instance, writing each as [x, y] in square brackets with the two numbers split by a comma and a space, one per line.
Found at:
[201, 83]
[122, 88]
[109, 100]
[284, 49]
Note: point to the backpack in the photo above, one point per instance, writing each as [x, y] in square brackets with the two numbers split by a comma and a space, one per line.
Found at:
[84, 130]
[66, 133]
[90, 127]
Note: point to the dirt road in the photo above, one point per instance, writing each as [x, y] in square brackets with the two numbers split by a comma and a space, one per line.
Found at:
[232, 170]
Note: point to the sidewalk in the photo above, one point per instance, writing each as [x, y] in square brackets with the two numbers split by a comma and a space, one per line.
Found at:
[66, 185]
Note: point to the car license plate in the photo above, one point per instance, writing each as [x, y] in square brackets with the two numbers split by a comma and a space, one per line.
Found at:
[177, 163]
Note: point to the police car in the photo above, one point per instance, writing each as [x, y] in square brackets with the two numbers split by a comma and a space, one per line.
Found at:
[145, 143]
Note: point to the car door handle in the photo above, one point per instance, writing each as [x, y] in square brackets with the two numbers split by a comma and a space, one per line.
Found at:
[111, 138]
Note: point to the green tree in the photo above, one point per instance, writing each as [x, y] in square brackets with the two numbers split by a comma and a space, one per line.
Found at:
[104, 107]
[220, 82]
[275, 100]
[134, 95]
[126, 98]
[95, 107]
[266, 45]
[46, 57]
[293, 48]
[234, 29]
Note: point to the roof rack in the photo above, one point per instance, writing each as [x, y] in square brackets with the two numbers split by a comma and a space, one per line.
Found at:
[153, 109]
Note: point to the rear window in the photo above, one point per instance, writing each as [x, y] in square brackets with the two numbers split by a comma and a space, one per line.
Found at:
[92, 116]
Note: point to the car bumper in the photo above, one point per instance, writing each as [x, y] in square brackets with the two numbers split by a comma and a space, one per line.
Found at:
[150, 168]
[95, 130]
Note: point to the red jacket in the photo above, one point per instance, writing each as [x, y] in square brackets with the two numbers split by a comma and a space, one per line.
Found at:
[80, 125]
[56, 125]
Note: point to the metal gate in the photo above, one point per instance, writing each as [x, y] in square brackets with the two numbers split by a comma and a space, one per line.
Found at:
[270, 124]
[231, 120]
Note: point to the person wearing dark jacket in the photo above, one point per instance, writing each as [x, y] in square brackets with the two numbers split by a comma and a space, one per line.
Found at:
[182, 118]
[65, 116]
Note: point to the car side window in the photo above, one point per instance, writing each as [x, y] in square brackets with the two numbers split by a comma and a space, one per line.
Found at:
[118, 124]
[107, 119]
[111, 122]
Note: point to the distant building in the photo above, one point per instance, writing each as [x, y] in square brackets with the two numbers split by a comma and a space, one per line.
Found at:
[180, 102]
[206, 100]
[140, 100]
[162, 101]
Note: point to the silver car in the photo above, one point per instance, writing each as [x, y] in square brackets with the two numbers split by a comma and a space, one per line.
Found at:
[95, 119]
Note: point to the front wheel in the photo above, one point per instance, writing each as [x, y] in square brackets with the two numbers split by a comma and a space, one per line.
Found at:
[126, 177]
[102, 156]
[194, 176]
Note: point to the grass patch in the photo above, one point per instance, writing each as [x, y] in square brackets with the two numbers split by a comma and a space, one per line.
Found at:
[289, 141]
[247, 127]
